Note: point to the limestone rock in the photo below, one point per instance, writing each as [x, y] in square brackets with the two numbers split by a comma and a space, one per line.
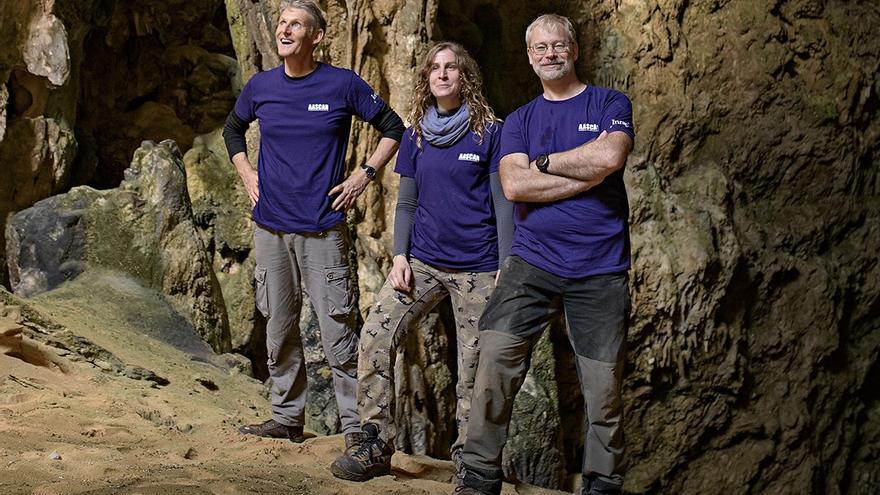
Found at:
[144, 228]
[46, 52]
[221, 210]
[4, 99]
[533, 453]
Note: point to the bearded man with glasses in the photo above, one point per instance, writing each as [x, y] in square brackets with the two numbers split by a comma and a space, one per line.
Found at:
[562, 164]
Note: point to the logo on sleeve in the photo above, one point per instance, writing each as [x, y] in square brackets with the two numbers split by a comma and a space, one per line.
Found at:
[620, 122]
[468, 157]
[319, 107]
[375, 97]
[588, 127]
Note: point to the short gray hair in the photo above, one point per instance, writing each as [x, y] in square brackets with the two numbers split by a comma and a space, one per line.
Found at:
[547, 20]
[319, 20]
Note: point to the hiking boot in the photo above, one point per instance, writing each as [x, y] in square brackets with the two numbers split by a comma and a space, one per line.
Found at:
[595, 486]
[371, 459]
[353, 440]
[466, 490]
[274, 429]
[479, 482]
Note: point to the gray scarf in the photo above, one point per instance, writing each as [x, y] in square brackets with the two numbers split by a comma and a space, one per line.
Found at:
[445, 131]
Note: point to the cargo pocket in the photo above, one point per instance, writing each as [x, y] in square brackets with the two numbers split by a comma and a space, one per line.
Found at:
[346, 353]
[261, 291]
[337, 291]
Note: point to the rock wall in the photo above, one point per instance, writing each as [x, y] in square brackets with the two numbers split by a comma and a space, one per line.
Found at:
[37, 145]
[144, 228]
[754, 206]
[83, 82]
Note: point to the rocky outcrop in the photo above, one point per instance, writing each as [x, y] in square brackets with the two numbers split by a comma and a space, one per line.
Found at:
[144, 228]
[175, 78]
[221, 210]
[37, 144]
[82, 83]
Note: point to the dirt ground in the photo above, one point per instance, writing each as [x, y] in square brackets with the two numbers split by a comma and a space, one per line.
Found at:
[67, 426]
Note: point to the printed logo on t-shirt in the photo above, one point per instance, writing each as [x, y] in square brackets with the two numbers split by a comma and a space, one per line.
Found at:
[588, 127]
[468, 157]
[375, 97]
[319, 107]
[620, 122]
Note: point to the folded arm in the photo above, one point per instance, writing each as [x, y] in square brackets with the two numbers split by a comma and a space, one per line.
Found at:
[592, 161]
[523, 183]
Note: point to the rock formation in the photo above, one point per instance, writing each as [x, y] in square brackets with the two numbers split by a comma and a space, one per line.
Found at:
[144, 228]
[83, 82]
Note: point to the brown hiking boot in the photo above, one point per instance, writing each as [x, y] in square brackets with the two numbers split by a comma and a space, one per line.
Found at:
[371, 459]
[274, 429]
[466, 490]
[353, 440]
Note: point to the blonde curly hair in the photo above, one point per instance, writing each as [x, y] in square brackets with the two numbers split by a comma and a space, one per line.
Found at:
[481, 114]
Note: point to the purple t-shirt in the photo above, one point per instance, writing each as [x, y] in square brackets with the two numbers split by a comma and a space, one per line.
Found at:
[587, 234]
[304, 128]
[454, 225]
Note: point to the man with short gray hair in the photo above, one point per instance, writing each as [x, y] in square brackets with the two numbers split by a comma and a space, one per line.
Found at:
[562, 164]
[299, 198]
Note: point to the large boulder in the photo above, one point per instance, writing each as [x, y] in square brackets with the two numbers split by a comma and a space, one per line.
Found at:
[221, 210]
[144, 228]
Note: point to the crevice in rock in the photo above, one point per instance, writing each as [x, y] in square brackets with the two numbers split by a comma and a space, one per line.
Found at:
[173, 79]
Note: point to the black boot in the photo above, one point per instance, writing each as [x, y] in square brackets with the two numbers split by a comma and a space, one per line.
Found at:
[595, 486]
[479, 482]
[371, 459]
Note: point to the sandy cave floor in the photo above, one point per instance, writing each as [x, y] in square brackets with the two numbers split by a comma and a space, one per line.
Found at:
[67, 427]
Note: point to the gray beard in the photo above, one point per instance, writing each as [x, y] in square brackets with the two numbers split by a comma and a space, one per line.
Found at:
[553, 76]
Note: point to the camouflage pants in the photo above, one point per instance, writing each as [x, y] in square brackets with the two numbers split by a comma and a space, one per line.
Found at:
[392, 314]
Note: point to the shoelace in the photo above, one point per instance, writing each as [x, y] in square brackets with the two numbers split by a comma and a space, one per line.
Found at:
[366, 448]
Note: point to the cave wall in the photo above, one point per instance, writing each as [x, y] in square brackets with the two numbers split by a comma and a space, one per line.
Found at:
[84, 82]
[174, 77]
[36, 116]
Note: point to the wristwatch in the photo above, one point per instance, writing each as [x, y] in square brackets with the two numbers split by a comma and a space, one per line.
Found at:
[542, 162]
[370, 171]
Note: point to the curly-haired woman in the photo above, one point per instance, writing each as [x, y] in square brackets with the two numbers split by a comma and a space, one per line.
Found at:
[453, 225]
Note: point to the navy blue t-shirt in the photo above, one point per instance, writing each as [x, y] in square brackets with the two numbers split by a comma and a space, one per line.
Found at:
[304, 129]
[454, 224]
[587, 234]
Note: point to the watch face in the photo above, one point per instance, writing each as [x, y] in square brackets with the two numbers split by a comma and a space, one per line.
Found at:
[542, 162]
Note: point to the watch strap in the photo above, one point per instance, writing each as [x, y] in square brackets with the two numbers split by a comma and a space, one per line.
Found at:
[370, 171]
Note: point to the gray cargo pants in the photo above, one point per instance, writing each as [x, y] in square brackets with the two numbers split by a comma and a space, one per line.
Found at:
[318, 261]
[596, 312]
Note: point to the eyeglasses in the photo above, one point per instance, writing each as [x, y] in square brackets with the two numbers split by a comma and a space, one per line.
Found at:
[541, 48]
